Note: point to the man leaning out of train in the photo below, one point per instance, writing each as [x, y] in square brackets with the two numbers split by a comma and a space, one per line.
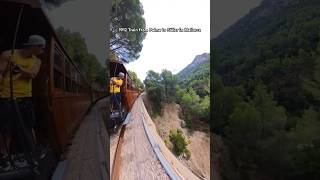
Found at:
[17, 122]
[115, 86]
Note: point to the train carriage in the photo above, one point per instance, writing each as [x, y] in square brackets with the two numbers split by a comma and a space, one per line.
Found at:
[62, 94]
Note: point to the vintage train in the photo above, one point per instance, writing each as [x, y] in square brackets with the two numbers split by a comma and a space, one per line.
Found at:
[61, 92]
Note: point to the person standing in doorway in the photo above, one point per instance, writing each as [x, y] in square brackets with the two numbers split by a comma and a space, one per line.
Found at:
[25, 67]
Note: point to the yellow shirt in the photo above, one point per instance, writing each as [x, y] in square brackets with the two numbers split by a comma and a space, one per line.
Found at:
[22, 87]
[116, 87]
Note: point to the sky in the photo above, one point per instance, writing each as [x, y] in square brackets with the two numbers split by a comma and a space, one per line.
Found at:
[173, 50]
[227, 12]
[86, 17]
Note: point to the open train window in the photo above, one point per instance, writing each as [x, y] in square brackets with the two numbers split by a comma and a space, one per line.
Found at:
[76, 82]
[67, 69]
[68, 76]
[68, 85]
[58, 59]
[58, 69]
[58, 79]
[72, 77]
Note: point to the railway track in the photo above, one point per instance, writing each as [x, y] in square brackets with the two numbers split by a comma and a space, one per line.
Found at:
[118, 163]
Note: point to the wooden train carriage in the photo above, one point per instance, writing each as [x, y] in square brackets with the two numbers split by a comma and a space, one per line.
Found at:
[61, 93]
[130, 93]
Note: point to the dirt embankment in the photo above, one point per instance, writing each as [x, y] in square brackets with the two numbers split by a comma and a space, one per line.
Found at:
[199, 146]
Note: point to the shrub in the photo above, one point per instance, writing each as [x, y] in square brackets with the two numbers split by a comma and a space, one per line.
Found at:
[179, 143]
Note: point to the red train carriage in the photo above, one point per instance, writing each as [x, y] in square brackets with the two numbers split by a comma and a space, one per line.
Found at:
[61, 92]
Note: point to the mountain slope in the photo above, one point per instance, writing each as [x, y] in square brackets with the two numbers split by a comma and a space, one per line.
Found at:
[266, 91]
[276, 40]
[268, 19]
[192, 67]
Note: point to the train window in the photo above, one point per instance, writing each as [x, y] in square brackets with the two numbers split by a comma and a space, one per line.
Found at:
[67, 69]
[68, 76]
[78, 79]
[68, 85]
[58, 59]
[73, 78]
[77, 89]
[81, 87]
[73, 86]
[58, 69]
[72, 72]
[58, 79]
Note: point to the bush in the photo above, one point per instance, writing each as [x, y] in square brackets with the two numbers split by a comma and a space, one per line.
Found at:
[188, 153]
[179, 143]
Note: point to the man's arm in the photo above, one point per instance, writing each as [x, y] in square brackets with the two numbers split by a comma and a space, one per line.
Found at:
[4, 59]
[32, 72]
[119, 83]
[112, 81]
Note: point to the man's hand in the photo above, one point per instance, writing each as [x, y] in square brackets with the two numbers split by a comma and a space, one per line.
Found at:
[31, 72]
[15, 68]
[111, 81]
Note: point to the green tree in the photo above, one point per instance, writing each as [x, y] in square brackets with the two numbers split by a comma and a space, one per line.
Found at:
[137, 82]
[254, 132]
[224, 101]
[204, 107]
[127, 14]
[76, 48]
[307, 156]
[169, 83]
[312, 86]
[190, 103]
[154, 90]
[266, 95]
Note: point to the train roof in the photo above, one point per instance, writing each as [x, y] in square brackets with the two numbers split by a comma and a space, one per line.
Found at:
[116, 67]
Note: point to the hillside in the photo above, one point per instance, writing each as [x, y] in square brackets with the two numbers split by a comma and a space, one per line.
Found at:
[270, 18]
[192, 67]
[287, 36]
[196, 75]
[266, 77]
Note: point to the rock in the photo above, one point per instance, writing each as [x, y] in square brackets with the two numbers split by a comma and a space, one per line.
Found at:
[183, 124]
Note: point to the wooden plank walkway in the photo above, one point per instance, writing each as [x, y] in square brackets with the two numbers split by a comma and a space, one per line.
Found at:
[87, 156]
[138, 158]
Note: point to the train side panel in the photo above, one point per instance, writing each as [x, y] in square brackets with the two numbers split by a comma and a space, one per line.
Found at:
[71, 95]
[68, 112]
[130, 97]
